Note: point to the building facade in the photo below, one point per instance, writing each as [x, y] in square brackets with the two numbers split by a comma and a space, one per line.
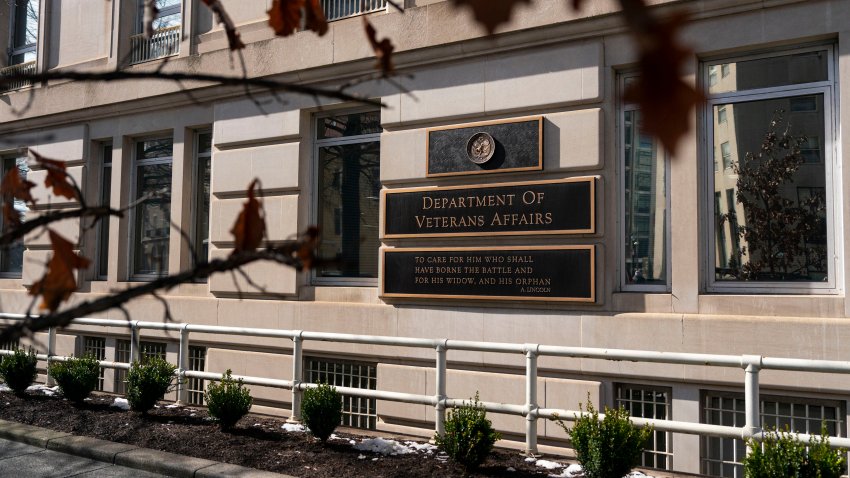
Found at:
[686, 255]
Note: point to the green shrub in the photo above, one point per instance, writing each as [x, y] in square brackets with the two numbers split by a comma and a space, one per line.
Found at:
[783, 455]
[609, 448]
[321, 408]
[18, 370]
[76, 377]
[469, 435]
[228, 401]
[147, 382]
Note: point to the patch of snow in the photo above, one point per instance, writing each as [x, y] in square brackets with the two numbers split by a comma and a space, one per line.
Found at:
[4, 388]
[49, 391]
[383, 447]
[574, 471]
[510, 468]
[294, 427]
[637, 474]
[530, 459]
[121, 403]
[375, 459]
[173, 405]
[361, 457]
[549, 465]
[423, 447]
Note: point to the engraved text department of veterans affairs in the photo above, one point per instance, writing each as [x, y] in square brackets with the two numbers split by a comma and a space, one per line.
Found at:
[563, 206]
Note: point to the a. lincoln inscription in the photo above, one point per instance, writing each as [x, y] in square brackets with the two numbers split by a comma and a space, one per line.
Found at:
[563, 206]
[542, 273]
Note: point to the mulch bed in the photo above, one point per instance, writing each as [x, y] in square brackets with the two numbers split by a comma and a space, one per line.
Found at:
[257, 441]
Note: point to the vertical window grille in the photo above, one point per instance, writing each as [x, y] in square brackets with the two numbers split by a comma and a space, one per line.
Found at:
[337, 9]
[96, 347]
[152, 218]
[723, 456]
[103, 224]
[167, 30]
[10, 345]
[649, 402]
[122, 354]
[357, 412]
[195, 386]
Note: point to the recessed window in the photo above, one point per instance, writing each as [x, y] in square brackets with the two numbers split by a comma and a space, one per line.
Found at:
[152, 217]
[357, 412]
[649, 402]
[723, 456]
[122, 354]
[12, 257]
[96, 347]
[779, 118]
[24, 34]
[165, 40]
[197, 363]
[349, 184]
[103, 223]
[644, 192]
[201, 206]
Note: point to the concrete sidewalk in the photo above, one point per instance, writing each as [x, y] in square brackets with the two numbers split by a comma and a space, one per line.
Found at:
[29, 451]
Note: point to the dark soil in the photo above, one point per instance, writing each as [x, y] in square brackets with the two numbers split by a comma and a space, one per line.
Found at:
[256, 441]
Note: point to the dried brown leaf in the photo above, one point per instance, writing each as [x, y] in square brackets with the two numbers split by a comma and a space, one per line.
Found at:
[59, 282]
[285, 16]
[250, 227]
[306, 252]
[665, 100]
[15, 187]
[383, 48]
[57, 177]
[315, 17]
[491, 13]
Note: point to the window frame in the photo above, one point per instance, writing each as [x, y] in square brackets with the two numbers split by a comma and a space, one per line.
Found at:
[195, 206]
[166, 11]
[315, 278]
[104, 222]
[830, 154]
[29, 47]
[4, 251]
[132, 275]
[625, 285]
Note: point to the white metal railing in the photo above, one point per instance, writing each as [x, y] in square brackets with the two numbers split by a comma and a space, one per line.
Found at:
[27, 68]
[164, 42]
[336, 9]
[751, 365]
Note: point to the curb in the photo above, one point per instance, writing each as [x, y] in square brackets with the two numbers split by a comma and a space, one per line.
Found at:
[129, 456]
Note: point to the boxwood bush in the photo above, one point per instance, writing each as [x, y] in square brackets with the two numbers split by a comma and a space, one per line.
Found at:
[321, 408]
[76, 377]
[18, 370]
[228, 400]
[607, 448]
[469, 435]
[783, 455]
[148, 382]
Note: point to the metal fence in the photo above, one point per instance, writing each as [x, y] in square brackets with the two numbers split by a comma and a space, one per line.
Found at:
[750, 364]
[336, 9]
[164, 42]
[27, 68]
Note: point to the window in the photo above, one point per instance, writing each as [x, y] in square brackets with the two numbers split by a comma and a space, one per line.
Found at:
[649, 402]
[722, 456]
[103, 224]
[122, 354]
[201, 207]
[195, 386]
[165, 40]
[336, 9]
[777, 139]
[24, 32]
[96, 347]
[349, 184]
[721, 115]
[152, 217]
[10, 345]
[644, 260]
[357, 412]
[12, 258]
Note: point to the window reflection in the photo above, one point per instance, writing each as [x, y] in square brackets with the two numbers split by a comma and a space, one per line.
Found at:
[152, 218]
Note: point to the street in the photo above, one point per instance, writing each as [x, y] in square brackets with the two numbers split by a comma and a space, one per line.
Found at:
[26, 461]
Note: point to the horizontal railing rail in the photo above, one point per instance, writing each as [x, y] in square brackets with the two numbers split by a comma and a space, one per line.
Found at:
[750, 364]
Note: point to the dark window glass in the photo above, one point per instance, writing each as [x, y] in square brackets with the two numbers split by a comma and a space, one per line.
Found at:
[12, 258]
[354, 124]
[202, 196]
[770, 72]
[152, 218]
[103, 225]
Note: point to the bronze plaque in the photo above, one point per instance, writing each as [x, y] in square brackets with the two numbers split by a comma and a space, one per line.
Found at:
[486, 147]
[560, 206]
[524, 273]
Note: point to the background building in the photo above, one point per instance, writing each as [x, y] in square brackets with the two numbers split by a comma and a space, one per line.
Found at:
[323, 162]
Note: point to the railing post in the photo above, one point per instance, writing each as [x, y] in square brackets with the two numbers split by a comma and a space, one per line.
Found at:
[182, 366]
[752, 403]
[531, 399]
[297, 360]
[440, 406]
[51, 351]
[134, 342]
